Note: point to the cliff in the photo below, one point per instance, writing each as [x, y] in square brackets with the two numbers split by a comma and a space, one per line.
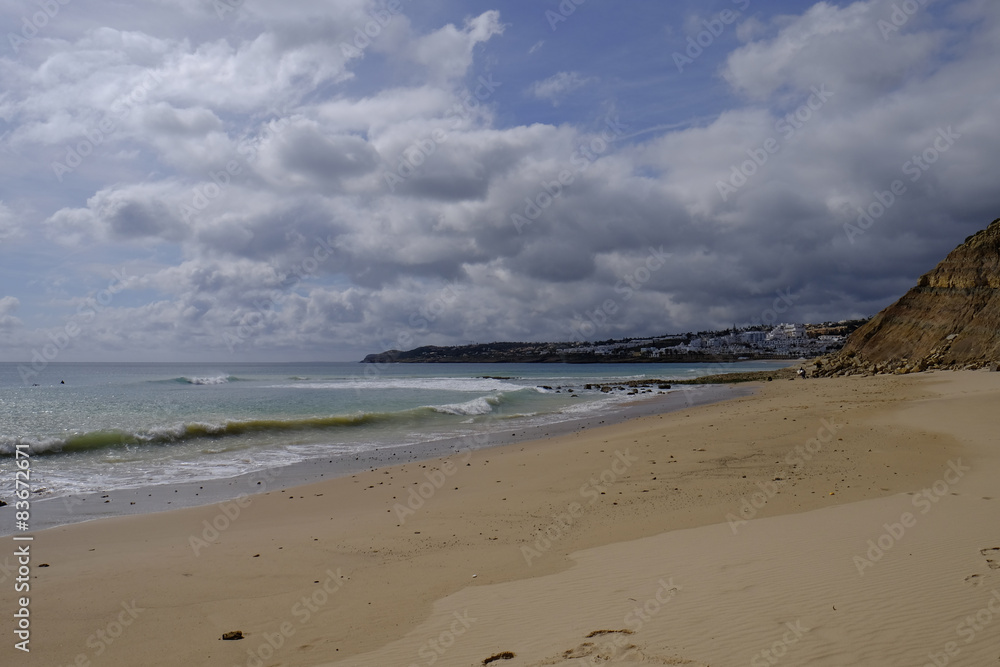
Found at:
[950, 319]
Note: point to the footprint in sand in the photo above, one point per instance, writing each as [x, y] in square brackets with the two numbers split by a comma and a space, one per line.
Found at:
[584, 650]
[992, 562]
[617, 649]
[598, 633]
[974, 579]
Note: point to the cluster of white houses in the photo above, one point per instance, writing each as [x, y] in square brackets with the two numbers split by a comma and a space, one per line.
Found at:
[782, 339]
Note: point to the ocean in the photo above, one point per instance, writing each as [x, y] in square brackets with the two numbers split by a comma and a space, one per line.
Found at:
[100, 427]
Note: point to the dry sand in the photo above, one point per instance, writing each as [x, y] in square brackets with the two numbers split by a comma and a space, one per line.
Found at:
[645, 534]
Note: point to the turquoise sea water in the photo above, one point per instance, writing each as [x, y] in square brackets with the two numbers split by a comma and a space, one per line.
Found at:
[101, 427]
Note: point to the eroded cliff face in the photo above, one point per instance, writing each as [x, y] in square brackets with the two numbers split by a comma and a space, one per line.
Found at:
[951, 319]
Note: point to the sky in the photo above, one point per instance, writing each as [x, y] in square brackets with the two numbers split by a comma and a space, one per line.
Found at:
[211, 180]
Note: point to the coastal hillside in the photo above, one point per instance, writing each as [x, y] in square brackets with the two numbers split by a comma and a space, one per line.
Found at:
[752, 343]
[533, 353]
[950, 319]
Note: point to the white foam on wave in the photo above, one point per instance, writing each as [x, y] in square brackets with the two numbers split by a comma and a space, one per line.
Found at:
[38, 445]
[218, 379]
[477, 406]
[103, 475]
[163, 433]
[611, 401]
[478, 385]
[606, 401]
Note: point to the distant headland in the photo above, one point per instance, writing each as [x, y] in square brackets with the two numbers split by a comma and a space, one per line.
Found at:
[783, 341]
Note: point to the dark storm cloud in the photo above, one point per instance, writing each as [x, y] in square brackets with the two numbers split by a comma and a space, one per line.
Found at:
[359, 199]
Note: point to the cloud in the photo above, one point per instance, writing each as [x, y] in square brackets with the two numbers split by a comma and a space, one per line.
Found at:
[121, 213]
[555, 88]
[9, 228]
[448, 52]
[274, 196]
[840, 46]
[9, 304]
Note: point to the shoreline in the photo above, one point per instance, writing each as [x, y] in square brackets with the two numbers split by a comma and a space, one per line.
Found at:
[596, 360]
[333, 573]
[51, 512]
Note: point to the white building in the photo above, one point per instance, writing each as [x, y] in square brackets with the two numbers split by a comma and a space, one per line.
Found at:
[753, 336]
[785, 331]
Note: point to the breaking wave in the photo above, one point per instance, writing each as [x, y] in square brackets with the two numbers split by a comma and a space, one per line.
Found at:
[477, 406]
[217, 379]
[478, 385]
[166, 435]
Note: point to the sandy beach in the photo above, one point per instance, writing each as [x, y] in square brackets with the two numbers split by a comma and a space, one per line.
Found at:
[823, 522]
